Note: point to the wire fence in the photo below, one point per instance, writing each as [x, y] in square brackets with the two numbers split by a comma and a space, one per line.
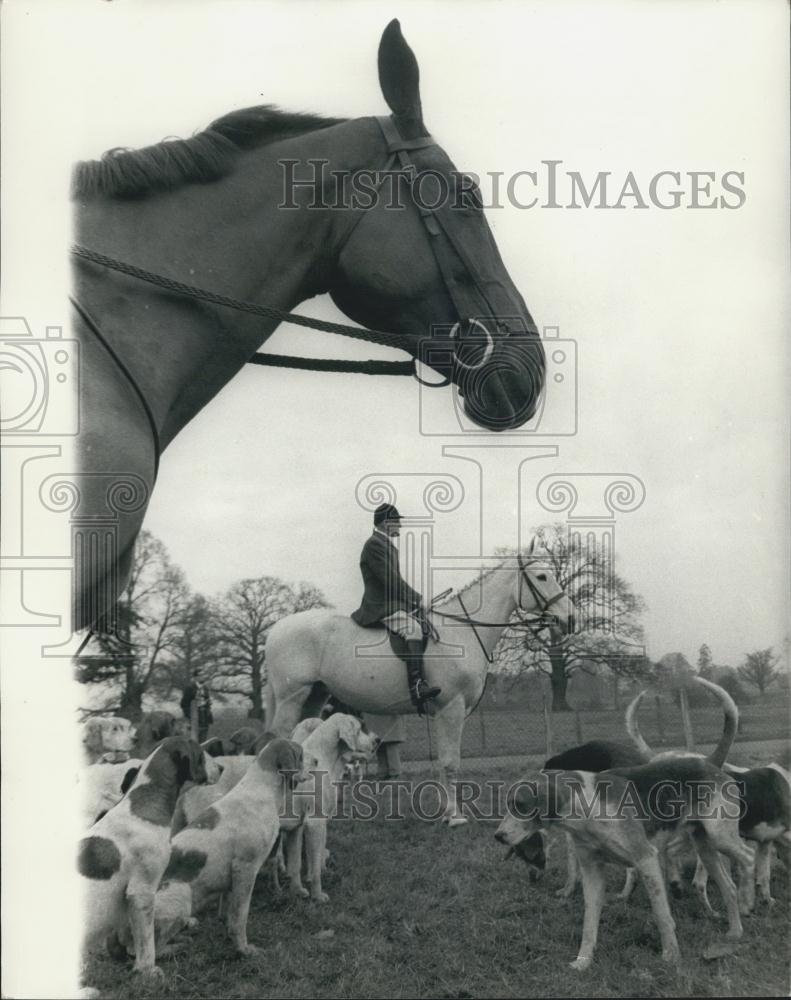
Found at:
[527, 730]
[505, 732]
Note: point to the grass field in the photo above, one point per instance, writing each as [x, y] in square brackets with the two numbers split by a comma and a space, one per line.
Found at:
[419, 911]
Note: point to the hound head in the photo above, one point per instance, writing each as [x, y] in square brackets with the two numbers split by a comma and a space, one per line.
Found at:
[109, 736]
[534, 851]
[286, 757]
[354, 739]
[522, 820]
[177, 760]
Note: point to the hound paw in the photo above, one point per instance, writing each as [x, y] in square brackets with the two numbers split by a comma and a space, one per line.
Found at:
[580, 964]
[671, 955]
[249, 950]
[299, 891]
[565, 893]
[320, 897]
[454, 821]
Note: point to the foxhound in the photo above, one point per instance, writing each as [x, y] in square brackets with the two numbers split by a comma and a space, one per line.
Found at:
[765, 793]
[222, 850]
[102, 786]
[195, 800]
[338, 740]
[123, 856]
[594, 756]
[108, 738]
[622, 816]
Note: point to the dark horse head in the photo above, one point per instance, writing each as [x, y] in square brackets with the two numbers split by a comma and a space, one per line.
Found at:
[436, 275]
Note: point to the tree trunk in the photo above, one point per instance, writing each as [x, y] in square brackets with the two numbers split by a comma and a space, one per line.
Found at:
[132, 701]
[559, 679]
[256, 693]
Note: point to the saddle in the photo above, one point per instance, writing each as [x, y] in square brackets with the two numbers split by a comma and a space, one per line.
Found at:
[399, 645]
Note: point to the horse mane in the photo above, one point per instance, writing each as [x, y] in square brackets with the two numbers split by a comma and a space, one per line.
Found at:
[205, 157]
[479, 577]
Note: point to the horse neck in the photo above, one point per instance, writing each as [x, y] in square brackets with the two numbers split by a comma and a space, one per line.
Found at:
[497, 604]
[228, 236]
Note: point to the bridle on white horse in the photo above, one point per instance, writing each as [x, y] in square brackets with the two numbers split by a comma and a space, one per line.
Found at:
[537, 623]
[440, 353]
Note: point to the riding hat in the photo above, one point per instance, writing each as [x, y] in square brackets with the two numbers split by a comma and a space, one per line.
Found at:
[386, 512]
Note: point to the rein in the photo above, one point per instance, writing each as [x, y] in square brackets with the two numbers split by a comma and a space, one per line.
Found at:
[540, 621]
[398, 149]
[268, 312]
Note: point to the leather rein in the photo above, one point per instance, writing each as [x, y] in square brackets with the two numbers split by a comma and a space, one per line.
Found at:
[398, 150]
[537, 624]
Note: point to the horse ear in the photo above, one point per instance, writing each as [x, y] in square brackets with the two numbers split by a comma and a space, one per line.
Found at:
[532, 545]
[399, 79]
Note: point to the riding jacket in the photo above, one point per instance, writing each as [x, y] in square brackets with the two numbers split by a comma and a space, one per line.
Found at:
[386, 591]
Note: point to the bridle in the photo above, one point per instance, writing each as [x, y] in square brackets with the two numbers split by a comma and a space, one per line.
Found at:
[543, 603]
[440, 353]
[536, 623]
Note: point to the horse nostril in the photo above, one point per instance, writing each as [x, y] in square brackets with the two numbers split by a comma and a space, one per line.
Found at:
[500, 837]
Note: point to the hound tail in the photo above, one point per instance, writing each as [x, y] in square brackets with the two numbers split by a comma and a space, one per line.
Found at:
[633, 729]
[719, 754]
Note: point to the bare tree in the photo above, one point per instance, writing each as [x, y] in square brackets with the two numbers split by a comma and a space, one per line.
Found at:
[608, 630]
[194, 650]
[243, 619]
[759, 668]
[150, 616]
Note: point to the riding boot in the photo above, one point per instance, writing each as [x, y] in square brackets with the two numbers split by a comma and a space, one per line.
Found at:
[419, 691]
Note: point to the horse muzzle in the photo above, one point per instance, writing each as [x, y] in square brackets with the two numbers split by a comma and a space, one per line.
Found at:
[503, 392]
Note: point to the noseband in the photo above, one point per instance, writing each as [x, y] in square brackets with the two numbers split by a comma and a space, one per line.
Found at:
[440, 353]
[543, 619]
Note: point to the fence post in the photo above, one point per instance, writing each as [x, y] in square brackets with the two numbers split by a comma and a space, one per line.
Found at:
[659, 725]
[482, 722]
[547, 728]
[578, 726]
[686, 721]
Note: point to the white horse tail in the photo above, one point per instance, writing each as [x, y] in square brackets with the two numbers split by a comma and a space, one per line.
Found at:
[633, 730]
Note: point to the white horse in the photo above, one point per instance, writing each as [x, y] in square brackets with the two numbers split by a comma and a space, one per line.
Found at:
[315, 653]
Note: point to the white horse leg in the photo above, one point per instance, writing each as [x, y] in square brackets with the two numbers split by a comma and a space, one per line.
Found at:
[288, 709]
[448, 725]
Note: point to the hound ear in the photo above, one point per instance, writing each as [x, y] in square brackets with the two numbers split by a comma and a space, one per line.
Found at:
[289, 757]
[399, 79]
[185, 769]
[347, 732]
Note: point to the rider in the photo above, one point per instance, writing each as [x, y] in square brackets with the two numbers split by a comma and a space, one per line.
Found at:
[389, 600]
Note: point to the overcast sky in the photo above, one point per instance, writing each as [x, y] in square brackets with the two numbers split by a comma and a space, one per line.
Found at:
[679, 316]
